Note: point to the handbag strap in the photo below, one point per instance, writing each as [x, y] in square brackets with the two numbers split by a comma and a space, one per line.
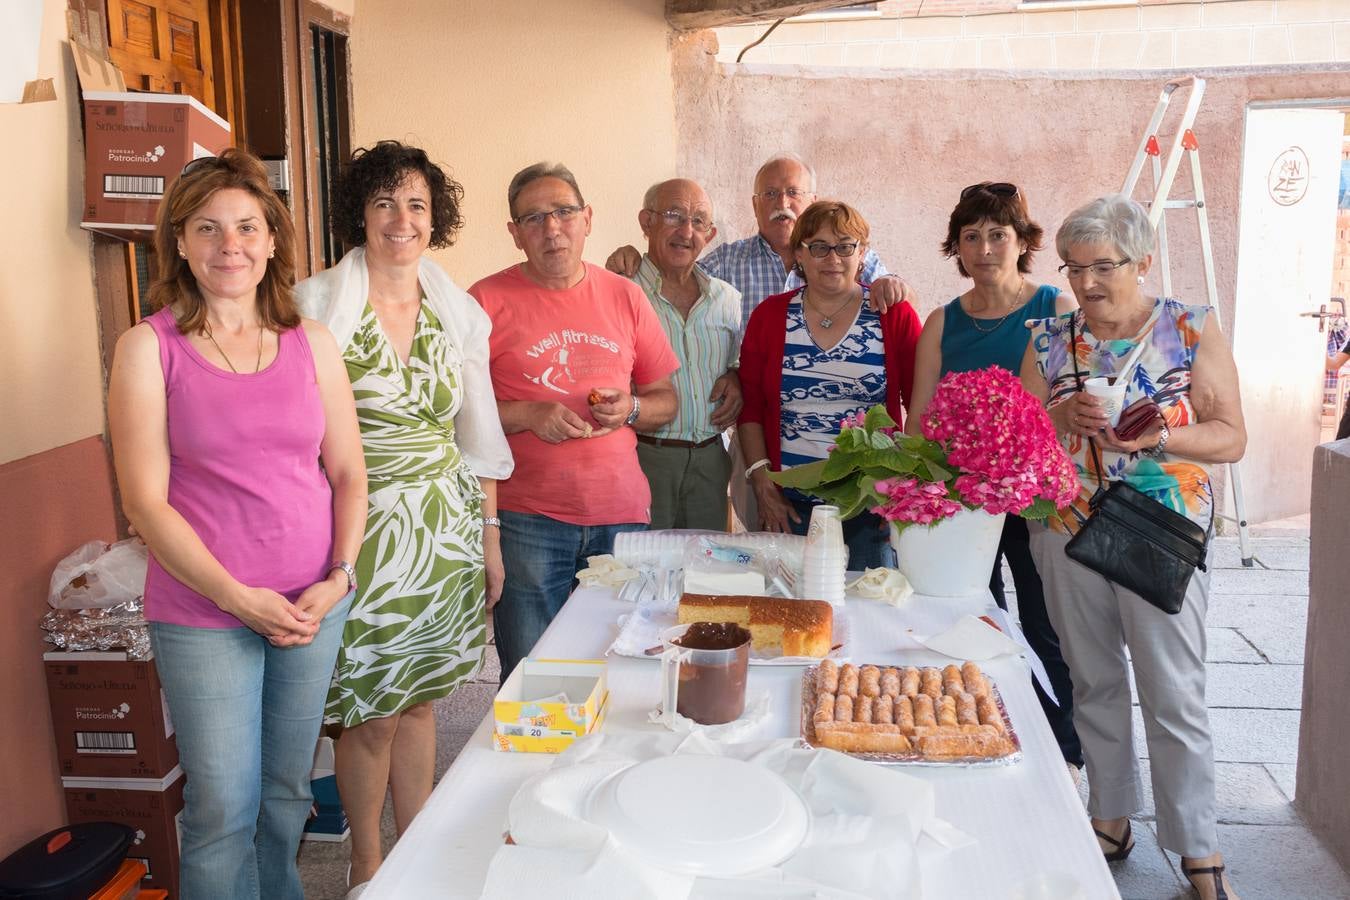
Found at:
[1078, 381]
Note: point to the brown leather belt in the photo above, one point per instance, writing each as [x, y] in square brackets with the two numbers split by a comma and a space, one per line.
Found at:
[673, 442]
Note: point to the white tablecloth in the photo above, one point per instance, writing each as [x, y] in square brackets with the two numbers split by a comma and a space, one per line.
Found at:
[1027, 817]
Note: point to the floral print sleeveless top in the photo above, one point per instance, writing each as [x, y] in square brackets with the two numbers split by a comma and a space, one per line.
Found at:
[1171, 334]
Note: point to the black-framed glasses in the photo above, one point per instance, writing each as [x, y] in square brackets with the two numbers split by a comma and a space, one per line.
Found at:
[1003, 189]
[792, 193]
[561, 215]
[820, 249]
[1100, 269]
[675, 218]
[200, 164]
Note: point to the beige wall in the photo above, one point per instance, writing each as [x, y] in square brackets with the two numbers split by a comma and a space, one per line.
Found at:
[49, 358]
[499, 84]
[1153, 36]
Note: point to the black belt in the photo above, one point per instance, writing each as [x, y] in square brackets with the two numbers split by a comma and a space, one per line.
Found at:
[673, 442]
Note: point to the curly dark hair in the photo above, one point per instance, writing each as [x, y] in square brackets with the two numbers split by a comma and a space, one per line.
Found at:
[383, 168]
[1011, 211]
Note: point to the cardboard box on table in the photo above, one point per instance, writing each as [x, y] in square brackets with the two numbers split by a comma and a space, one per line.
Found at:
[136, 144]
[109, 716]
[150, 806]
[525, 723]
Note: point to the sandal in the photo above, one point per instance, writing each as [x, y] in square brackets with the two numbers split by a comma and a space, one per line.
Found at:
[1124, 844]
[1215, 871]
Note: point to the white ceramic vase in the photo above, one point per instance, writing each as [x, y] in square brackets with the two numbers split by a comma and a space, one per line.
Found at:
[953, 558]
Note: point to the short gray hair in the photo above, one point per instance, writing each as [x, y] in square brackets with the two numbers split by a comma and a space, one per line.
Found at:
[788, 156]
[533, 173]
[1114, 219]
[649, 198]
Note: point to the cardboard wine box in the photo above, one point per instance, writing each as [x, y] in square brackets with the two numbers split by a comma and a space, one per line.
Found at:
[109, 716]
[150, 806]
[136, 144]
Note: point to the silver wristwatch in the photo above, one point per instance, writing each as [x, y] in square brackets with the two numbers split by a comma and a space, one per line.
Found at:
[347, 569]
[633, 416]
[1157, 449]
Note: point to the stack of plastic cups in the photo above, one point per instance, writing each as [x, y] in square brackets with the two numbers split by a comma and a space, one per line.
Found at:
[825, 559]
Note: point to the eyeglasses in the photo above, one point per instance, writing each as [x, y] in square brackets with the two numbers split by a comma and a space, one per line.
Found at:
[1100, 269]
[792, 193]
[820, 249]
[562, 215]
[200, 163]
[997, 188]
[676, 218]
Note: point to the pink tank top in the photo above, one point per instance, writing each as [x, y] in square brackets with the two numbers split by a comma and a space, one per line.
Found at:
[244, 472]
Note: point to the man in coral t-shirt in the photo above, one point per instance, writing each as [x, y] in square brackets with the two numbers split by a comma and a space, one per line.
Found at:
[579, 364]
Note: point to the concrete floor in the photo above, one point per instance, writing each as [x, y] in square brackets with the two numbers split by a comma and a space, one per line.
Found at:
[1257, 622]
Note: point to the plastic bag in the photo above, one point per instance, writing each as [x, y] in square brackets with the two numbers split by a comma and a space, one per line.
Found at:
[714, 567]
[97, 576]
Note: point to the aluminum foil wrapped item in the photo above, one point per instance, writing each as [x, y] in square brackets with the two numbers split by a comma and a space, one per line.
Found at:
[120, 627]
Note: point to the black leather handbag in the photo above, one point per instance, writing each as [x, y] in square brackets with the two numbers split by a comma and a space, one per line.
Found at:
[1134, 541]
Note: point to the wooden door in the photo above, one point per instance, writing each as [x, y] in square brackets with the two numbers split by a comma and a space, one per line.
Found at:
[164, 46]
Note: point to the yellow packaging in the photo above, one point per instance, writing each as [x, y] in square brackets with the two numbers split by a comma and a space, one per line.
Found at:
[549, 726]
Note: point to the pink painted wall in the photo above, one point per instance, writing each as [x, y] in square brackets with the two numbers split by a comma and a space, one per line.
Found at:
[901, 147]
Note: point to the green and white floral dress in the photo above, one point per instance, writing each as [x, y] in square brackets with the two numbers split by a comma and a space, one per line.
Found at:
[416, 629]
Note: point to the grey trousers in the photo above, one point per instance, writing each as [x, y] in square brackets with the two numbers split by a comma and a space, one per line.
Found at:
[689, 486]
[1096, 620]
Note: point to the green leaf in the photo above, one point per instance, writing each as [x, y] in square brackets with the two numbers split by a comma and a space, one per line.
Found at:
[893, 460]
[880, 441]
[936, 472]
[1039, 509]
[877, 418]
[801, 477]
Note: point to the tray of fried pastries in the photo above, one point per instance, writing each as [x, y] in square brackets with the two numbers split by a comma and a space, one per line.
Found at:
[907, 714]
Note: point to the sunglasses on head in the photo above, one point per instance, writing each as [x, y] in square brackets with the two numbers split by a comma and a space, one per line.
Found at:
[997, 188]
[200, 164]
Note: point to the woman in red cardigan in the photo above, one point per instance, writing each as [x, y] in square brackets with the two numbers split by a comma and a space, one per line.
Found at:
[812, 356]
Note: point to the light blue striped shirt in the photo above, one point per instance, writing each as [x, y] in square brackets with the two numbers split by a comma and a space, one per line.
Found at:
[752, 267]
[707, 344]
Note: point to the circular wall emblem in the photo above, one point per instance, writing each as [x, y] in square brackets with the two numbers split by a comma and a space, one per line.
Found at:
[1288, 178]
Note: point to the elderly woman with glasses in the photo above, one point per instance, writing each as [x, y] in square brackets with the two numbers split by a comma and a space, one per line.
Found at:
[813, 356]
[993, 237]
[1187, 369]
[430, 568]
[239, 463]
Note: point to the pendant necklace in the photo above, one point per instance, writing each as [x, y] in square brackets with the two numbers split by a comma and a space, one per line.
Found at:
[257, 366]
[826, 321]
[1015, 307]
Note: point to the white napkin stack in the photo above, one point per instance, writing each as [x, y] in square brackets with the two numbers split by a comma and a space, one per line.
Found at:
[872, 829]
[605, 571]
[886, 585]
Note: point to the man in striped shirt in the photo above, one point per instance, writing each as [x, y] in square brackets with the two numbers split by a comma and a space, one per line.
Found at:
[685, 461]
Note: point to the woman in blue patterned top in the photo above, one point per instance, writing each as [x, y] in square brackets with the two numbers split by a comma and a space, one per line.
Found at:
[812, 356]
[993, 238]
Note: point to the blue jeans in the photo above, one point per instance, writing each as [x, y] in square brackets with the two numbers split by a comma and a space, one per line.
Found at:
[541, 555]
[247, 716]
[867, 535]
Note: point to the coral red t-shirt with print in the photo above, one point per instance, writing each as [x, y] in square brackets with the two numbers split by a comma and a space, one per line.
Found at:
[557, 346]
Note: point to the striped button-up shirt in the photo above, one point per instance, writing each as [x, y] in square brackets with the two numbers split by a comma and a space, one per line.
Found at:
[707, 344]
[752, 267]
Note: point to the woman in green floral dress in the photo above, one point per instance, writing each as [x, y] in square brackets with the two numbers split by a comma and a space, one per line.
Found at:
[430, 567]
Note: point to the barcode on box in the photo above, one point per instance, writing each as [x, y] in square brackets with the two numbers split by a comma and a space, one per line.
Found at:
[133, 187]
[104, 742]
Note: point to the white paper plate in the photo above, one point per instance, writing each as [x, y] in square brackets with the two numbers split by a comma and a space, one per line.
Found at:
[702, 815]
[640, 631]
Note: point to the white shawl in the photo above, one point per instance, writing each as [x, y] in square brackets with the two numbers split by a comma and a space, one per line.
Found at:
[337, 297]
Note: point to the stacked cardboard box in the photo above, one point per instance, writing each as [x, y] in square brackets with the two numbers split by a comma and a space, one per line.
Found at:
[117, 755]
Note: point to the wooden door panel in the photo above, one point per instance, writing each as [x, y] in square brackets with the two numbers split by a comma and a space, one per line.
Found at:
[164, 45]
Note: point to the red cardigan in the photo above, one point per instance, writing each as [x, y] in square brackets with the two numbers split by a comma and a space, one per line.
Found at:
[762, 365]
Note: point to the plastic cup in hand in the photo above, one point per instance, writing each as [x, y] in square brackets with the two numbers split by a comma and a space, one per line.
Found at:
[1110, 391]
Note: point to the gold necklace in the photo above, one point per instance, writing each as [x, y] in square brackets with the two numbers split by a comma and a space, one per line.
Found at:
[257, 366]
[827, 321]
[1015, 307]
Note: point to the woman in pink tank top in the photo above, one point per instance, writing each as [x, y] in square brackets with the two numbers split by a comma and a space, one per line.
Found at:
[239, 462]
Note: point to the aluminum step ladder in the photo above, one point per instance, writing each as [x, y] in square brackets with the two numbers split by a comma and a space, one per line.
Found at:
[1164, 174]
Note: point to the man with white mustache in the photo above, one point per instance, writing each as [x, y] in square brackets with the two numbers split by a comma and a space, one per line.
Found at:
[686, 464]
[579, 363]
[762, 265]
